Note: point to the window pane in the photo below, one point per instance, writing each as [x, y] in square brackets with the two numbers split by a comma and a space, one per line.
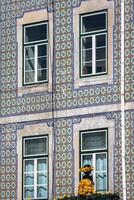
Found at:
[29, 52]
[101, 162]
[29, 64]
[29, 179]
[100, 66]
[42, 191]
[42, 50]
[87, 160]
[42, 178]
[87, 55]
[93, 140]
[29, 77]
[29, 165]
[101, 181]
[100, 53]
[94, 22]
[29, 192]
[36, 146]
[87, 68]
[42, 62]
[87, 43]
[42, 75]
[41, 164]
[101, 40]
[36, 33]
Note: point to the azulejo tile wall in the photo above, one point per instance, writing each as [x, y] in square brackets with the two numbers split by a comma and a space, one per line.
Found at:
[64, 95]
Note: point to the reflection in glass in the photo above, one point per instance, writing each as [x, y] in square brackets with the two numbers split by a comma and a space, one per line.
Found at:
[42, 178]
[29, 64]
[29, 179]
[101, 183]
[29, 76]
[42, 191]
[29, 192]
[87, 160]
[41, 164]
[36, 33]
[100, 66]
[29, 52]
[36, 146]
[93, 140]
[29, 165]
[101, 162]
[87, 68]
[42, 50]
[42, 75]
[94, 22]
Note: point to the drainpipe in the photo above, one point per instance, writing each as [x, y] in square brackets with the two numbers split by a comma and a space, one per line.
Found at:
[123, 102]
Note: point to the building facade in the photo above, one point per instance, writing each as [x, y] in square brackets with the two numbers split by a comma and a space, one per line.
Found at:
[63, 96]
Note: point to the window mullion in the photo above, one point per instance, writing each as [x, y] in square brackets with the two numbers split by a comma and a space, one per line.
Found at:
[93, 54]
[35, 178]
[94, 166]
[36, 62]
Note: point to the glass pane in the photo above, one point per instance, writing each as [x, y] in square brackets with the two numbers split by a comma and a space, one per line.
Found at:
[87, 55]
[100, 66]
[42, 75]
[36, 33]
[29, 52]
[29, 165]
[42, 192]
[101, 181]
[87, 68]
[42, 62]
[101, 162]
[101, 40]
[93, 22]
[29, 192]
[87, 43]
[86, 160]
[100, 53]
[42, 50]
[93, 140]
[35, 146]
[42, 165]
[29, 77]
[42, 178]
[29, 179]
[29, 64]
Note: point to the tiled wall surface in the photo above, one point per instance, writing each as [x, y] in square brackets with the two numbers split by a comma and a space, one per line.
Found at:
[65, 105]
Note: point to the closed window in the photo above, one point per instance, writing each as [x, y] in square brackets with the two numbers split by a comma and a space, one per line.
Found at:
[35, 53]
[35, 168]
[93, 152]
[93, 38]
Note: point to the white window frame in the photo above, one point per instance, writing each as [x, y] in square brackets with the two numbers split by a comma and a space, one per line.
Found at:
[35, 158]
[35, 44]
[93, 35]
[93, 153]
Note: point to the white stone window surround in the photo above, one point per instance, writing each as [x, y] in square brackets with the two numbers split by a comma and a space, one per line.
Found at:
[99, 122]
[90, 7]
[28, 131]
[29, 18]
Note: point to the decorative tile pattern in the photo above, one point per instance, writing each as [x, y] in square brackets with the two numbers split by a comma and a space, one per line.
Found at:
[8, 162]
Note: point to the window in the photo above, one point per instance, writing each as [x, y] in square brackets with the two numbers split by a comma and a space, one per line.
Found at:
[35, 53]
[94, 152]
[93, 40]
[35, 168]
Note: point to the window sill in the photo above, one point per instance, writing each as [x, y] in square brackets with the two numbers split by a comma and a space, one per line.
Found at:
[94, 80]
[29, 89]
